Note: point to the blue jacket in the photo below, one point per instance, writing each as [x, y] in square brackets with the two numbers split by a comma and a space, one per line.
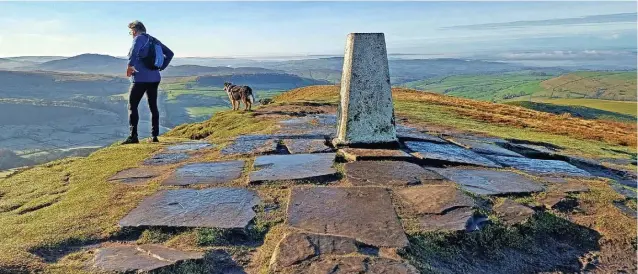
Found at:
[144, 74]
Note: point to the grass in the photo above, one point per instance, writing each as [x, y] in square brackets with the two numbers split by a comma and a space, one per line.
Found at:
[576, 111]
[222, 126]
[622, 107]
[82, 205]
[196, 112]
[620, 86]
[483, 87]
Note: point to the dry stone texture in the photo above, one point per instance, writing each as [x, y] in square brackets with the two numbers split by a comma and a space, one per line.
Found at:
[486, 148]
[511, 212]
[206, 173]
[363, 213]
[448, 153]
[490, 182]
[166, 159]
[388, 173]
[433, 199]
[366, 113]
[297, 247]
[541, 167]
[214, 207]
[188, 146]
[304, 146]
[365, 154]
[131, 258]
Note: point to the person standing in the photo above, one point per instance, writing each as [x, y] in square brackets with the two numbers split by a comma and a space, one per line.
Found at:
[145, 77]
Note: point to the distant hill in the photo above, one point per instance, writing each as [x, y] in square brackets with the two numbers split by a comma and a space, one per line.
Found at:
[87, 63]
[8, 159]
[58, 85]
[279, 81]
[620, 86]
[401, 70]
[195, 70]
[6, 63]
[36, 59]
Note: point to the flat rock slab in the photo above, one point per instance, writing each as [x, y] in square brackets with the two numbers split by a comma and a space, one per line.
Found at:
[531, 150]
[319, 124]
[292, 167]
[214, 207]
[511, 212]
[166, 159]
[295, 248]
[571, 187]
[358, 264]
[458, 219]
[388, 173]
[433, 199]
[486, 148]
[490, 182]
[541, 167]
[412, 134]
[363, 213]
[448, 153]
[631, 213]
[138, 175]
[304, 146]
[188, 146]
[625, 191]
[365, 154]
[206, 173]
[253, 145]
[131, 258]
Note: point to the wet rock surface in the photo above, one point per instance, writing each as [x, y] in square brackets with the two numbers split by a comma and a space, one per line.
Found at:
[132, 258]
[166, 159]
[490, 182]
[433, 199]
[292, 167]
[215, 207]
[303, 146]
[251, 144]
[511, 212]
[138, 175]
[365, 154]
[541, 167]
[188, 146]
[388, 173]
[363, 213]
[405, 133]
[448, 153]
[486, 148]
[206, 173]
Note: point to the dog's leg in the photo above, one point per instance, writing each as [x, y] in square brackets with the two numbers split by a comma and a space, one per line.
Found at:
[245, 103]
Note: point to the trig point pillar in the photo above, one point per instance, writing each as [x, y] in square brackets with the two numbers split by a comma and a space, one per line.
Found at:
[366, 114]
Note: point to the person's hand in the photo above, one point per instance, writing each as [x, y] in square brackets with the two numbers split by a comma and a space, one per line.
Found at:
[129, 71]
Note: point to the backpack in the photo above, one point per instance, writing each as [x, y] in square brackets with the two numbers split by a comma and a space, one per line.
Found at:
[155, 57]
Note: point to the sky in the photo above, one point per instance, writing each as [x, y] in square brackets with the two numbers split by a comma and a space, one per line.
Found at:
[248, 29]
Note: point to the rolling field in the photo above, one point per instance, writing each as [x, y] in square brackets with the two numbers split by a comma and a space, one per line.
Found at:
[619, 86]
[623, 107]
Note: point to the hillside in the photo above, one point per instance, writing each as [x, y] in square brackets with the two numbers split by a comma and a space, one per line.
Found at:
[617, 86]
[65, 216]
[87, 63]
[195, 70]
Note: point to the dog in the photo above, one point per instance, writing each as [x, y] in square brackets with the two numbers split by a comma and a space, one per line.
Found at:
[237, 93]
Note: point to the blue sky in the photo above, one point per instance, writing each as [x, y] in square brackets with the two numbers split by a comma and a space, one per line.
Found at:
[235, 29]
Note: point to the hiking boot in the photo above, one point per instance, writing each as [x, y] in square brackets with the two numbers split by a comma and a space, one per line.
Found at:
[130, 140]
[155, 140]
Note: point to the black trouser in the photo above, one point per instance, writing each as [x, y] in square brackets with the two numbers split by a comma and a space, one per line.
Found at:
[135, 96]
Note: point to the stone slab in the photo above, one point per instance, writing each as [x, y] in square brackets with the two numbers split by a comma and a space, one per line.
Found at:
[206, 173]
[214, 207]
[138, 175]
[358, 264]
[253, 145]
[131, 258]
[629, 212]
[511, 212]
[625, 191]
[486, 148]
[366, 112]
[366, 154]
[297, 247]
[541, 167]
[166, 159]
[490, 182]
[388, 173]
[433, 199]
[304, 146]
[412, 134]
[188, 146]
[531, 150]
[454, 220]
[292, 167]
[448, 153]
[363, 213]
[571, 187]
[320, 125]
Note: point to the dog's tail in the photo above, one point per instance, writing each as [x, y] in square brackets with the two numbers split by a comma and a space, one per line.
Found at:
[251, 97]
